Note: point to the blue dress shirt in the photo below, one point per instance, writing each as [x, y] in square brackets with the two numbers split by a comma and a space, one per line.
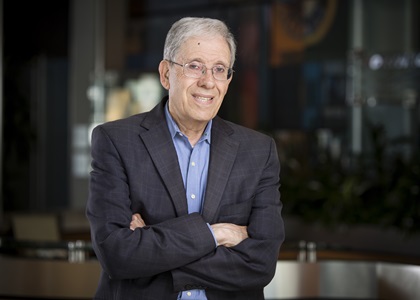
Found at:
[194, 165]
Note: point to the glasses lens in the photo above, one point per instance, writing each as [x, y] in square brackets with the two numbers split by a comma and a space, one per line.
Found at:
[196, 70]
[193, 69]
[220, 72]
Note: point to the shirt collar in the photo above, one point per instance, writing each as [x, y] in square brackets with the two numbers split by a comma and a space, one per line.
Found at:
[174, 129]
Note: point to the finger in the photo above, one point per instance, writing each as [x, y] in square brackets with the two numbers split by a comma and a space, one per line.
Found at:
[137, 223]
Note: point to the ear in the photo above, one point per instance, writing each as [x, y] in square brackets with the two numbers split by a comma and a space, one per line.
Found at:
[164, 73]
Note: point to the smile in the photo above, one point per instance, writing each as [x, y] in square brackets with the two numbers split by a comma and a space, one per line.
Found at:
[203, 99]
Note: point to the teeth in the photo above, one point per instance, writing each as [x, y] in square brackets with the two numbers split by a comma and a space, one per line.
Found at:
[203, 99]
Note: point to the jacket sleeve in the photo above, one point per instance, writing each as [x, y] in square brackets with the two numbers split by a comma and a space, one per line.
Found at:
[144, 252]
[251, 264]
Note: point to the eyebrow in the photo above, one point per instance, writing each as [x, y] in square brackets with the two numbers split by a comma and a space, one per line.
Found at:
[202, 61]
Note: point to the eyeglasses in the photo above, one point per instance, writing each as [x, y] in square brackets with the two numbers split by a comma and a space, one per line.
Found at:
[196, 69]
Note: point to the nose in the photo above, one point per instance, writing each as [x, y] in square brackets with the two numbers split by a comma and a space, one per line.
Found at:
[207, 78]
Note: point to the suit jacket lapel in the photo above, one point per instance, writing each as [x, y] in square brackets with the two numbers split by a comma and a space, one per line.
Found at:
[222, 156]
[162, 151]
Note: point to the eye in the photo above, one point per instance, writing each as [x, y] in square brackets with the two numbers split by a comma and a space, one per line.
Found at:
[219, 69]
[195, 66]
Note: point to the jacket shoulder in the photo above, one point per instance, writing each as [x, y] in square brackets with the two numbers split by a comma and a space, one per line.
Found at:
[129, 124]
[137, 122]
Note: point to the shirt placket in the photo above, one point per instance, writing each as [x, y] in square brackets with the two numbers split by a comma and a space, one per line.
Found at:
[193, 181]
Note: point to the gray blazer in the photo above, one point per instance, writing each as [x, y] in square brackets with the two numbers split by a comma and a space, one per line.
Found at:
[135, 169]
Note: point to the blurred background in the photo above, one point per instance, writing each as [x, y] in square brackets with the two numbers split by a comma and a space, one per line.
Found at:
[335, 82]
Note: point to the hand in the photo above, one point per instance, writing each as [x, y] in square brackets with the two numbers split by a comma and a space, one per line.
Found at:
[228, 234]
[137, 222]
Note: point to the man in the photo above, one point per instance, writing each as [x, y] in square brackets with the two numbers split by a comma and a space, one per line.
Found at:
[185, 205]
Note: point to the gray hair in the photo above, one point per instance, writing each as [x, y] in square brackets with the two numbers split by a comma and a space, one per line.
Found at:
[189, 27]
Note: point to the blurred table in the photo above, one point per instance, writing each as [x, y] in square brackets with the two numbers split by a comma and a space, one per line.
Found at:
[69, 270]
[348, 280]
[30, 278]
[47, 270]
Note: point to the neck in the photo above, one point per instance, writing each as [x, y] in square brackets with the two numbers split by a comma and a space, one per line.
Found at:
[192, 133]
[192, 129]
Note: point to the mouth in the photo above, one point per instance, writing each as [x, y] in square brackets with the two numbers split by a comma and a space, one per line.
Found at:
[203, 99]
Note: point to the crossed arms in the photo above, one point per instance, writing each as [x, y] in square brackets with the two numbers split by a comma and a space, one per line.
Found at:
[132, 245]
[226, 234]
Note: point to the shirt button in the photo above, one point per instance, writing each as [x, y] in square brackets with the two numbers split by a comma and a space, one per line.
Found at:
[189, 294]
[193, 164]
[192, 196]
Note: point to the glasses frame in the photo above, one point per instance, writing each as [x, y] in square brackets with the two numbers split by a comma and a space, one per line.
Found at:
[204, 71]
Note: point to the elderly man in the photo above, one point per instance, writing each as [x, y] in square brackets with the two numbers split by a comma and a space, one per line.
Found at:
[183, 204]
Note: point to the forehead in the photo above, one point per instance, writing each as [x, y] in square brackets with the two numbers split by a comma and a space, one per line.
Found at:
[214, 49]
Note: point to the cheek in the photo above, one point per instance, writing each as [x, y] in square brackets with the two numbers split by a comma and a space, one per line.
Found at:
[223, 90]
[176, 86]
